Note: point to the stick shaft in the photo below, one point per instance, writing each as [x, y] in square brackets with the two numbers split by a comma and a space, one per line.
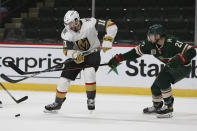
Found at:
[19, 71]
[5, 77]
[17, 101]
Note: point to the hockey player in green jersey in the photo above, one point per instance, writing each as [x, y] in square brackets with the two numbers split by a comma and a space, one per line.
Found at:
[175, 54]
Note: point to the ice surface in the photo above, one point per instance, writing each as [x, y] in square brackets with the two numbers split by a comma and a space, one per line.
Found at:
[113, 113]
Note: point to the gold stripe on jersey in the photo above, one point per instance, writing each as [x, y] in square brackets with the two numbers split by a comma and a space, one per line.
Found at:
[108, 38]
[109, 23]
[74, 52]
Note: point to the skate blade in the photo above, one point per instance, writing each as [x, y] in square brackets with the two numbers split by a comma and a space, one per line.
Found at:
[149, 113]
[168, 115]
[52, 111]
[91, 111]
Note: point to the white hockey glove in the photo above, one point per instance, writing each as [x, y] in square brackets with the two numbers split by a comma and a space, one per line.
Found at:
[107, 43]
[79, 58]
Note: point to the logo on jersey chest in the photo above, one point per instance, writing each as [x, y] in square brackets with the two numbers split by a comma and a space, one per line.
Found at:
[83, 44]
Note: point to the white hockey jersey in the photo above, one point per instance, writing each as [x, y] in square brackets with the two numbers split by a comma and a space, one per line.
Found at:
[86, 38]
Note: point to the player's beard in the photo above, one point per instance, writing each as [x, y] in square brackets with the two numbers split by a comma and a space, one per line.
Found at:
[76, 29]
[156, 41]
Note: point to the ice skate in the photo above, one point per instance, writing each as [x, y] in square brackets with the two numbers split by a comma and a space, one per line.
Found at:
[52, 108]
[55, 106]
[153, 109]
[166, 110]
[91, 104]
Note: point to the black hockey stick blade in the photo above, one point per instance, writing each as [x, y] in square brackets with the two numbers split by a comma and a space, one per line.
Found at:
[14, 67]
[17, 101]
[22, 99]
[6, 78]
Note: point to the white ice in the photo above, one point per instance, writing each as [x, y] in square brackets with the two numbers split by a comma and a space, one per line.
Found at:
[113, 113]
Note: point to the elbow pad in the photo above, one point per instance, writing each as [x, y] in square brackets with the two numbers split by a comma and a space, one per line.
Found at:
[131, 55]
[190, 54]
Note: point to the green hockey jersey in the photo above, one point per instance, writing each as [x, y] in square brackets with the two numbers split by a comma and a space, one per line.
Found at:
[170, 48]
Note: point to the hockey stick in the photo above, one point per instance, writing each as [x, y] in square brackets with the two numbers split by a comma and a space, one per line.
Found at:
[19, 71]
[17, 101]
[14, 67]
[53, 68]
[50, 70]
[6, 78]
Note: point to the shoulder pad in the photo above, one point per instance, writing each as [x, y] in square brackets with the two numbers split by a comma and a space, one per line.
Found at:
[66, 35]
[91, 21]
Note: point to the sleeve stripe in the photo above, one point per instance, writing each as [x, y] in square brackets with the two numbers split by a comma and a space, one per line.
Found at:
[139, 51]
[111, 24]
[185, 48]
[182, 58]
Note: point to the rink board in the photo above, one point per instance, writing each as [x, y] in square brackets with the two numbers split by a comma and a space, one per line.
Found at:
[133, 77]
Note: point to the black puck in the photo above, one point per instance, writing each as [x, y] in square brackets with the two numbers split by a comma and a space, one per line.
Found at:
[17, 115]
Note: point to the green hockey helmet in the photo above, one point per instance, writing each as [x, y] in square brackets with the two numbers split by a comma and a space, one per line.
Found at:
[156, 29]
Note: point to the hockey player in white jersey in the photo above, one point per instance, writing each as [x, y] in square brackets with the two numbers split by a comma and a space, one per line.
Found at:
[80, 36]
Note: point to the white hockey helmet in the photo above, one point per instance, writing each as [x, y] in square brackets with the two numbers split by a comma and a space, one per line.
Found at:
[71, 16]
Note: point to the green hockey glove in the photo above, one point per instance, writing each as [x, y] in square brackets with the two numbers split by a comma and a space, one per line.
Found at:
[115, 61]
[178, 59]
